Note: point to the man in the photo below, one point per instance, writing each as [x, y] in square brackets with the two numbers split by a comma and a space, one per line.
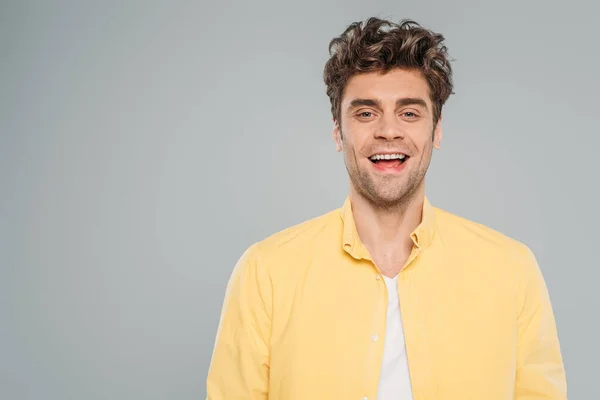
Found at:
[387, 297]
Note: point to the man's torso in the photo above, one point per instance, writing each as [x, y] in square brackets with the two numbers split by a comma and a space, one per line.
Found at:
[458, 303]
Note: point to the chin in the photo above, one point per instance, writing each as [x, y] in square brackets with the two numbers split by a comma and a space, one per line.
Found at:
[397, 196]
[387, 199]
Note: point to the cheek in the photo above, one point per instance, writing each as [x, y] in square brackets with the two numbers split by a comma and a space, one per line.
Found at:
[426, 151]
[422, 152]
[352, 155]
[350, 143]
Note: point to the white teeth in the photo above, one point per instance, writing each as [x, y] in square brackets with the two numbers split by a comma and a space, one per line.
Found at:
[397, 156]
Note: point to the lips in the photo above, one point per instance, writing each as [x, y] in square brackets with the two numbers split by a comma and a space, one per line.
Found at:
[389, 162]
[391, 159]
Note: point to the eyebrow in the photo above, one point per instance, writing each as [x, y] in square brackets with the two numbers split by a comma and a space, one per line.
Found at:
[404, 101]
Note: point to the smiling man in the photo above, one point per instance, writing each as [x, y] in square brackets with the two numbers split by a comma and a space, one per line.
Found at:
[387, 297]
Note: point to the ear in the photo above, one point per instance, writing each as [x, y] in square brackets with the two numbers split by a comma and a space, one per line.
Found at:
[337, 136]
[437, 134]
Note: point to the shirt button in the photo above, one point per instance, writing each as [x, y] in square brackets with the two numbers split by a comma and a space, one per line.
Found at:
[375, 337]
[365, 398]
[378, 277]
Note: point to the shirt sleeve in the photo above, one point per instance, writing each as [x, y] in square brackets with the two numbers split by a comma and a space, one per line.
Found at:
[239, 367]
[540, 370]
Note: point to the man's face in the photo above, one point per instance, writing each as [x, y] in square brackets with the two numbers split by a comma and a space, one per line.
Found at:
[387, 134]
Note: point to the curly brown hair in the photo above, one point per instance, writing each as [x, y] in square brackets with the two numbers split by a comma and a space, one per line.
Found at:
[378, 45]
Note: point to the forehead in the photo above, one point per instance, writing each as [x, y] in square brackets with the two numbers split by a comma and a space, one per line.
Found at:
[387, 87]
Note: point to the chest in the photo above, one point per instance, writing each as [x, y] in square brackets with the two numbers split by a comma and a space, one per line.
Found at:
[329, 336]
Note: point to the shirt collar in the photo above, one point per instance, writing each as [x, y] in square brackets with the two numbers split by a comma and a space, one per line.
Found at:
[422, 236]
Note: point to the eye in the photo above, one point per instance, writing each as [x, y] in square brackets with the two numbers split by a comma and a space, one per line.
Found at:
[365, 114]
[409, 114]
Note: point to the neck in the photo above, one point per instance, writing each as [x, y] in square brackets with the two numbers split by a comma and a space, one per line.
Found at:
[385, 230]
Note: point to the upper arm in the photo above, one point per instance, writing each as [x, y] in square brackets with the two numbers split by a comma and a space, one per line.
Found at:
[239, 368]
[540, 370]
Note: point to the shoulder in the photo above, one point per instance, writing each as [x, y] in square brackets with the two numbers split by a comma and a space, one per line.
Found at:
[472, 232]
[299, 234]
[296, 240]
[471, 236]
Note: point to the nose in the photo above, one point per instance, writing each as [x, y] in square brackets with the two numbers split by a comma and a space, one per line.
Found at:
[389, 129]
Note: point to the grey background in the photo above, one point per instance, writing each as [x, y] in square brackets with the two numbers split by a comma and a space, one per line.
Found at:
[145, 145]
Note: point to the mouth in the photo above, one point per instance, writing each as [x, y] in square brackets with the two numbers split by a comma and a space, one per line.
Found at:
[389, 162]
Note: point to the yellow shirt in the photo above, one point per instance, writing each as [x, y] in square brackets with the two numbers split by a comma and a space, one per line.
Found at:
[303, 309]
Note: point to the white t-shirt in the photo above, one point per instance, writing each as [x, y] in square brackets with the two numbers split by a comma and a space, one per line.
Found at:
[394, 381]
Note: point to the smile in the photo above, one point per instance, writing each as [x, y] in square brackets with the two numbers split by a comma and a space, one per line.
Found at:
[390, 162]
[377, 158]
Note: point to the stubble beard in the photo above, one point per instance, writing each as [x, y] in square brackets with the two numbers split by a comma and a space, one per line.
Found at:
[386, 193]
[389, 193]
